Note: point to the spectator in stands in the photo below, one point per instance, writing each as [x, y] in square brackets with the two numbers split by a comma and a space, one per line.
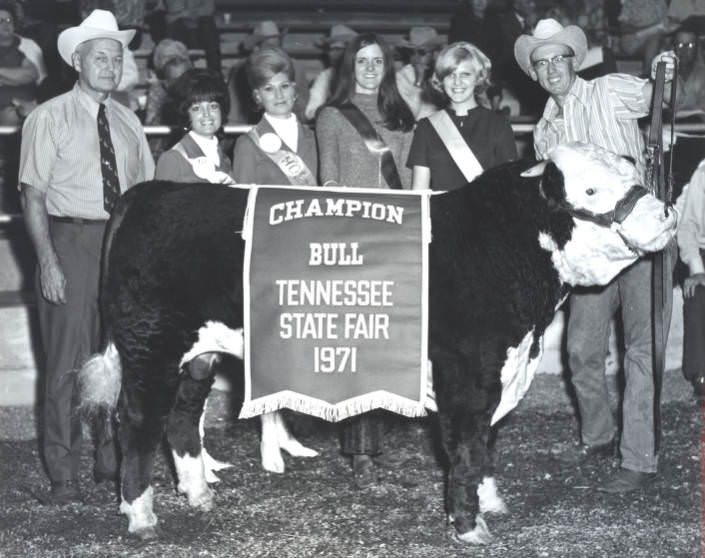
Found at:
[18, 75]
[242, 105]
[687, 46]
[278, 150]
[324, 83]
[365, 112]
[603, 111]
[643, 25]
[414, 77]
[454, 145]
[193, 23]
[201, 101]
[691, 244]
[79, 151]
[170, 60]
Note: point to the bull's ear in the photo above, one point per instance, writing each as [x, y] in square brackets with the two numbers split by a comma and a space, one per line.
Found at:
[536, 170]
[553, 184]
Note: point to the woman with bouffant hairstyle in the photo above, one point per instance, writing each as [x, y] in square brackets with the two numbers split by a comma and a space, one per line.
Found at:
[454, 145]
[278, 150]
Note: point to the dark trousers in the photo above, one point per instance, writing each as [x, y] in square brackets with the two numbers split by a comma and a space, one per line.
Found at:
[694, 333]
[205, 35]
[70, 333]
[362, 434]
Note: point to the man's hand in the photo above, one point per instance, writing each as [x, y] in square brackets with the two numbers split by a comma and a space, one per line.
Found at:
[670, 58]
[691, 283]
[53, 282]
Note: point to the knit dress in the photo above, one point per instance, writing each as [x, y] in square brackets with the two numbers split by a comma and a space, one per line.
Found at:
[343, 155]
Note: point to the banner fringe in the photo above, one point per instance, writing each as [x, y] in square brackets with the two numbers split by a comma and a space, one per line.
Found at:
[333, 412]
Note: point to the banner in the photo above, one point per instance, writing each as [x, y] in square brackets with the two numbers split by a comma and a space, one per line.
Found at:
[336, 311]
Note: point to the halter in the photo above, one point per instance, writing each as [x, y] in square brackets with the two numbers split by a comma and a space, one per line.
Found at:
[617, 215]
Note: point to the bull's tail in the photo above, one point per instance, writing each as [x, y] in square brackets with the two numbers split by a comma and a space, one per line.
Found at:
[99, 381]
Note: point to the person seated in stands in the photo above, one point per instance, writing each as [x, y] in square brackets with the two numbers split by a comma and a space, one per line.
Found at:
[279, 149]
[242, 106]
[193, 23]
[691, 65]
[643, 25]
[324, 83]
[170, 60]
[18, 75]
[413, 78]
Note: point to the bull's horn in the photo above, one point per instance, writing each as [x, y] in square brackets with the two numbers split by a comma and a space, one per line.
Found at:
[536, 170]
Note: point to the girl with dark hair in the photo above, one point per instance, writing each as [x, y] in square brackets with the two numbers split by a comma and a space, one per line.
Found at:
[363, 140]
[365, 109]
[278, 150]
[200, 99]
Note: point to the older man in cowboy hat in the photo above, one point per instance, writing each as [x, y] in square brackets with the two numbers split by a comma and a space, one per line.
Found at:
[603, 111]
[79, 151]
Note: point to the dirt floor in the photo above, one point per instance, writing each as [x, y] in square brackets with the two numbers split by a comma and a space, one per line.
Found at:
[313, 509]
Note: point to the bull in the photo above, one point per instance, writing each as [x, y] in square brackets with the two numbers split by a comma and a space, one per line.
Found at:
[505, 248]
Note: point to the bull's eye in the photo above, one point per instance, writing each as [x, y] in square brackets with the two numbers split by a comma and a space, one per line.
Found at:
[590, 191]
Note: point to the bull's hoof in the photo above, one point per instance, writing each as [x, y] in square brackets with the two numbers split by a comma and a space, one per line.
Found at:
[490, 500]
[479, 535]
[146, 534]
[204, 501]
[272, 459]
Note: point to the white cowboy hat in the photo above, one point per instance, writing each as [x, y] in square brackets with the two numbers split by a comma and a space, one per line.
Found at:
[549, 31]
[261, 32]
[100, 24]
[339, 35]
[421, 37]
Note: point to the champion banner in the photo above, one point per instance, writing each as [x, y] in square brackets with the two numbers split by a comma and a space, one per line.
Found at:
[336, 301]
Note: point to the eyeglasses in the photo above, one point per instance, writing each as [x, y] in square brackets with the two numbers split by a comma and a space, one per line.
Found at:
[5, 20]
[557, 60]
[690, 44]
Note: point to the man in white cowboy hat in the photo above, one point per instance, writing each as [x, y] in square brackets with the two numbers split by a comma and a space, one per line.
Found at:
[242, 107]
[79, 151]
[333, 46]
[603, 111]
[422, 43]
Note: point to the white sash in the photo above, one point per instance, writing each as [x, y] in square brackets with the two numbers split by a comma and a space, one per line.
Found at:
[460, 151]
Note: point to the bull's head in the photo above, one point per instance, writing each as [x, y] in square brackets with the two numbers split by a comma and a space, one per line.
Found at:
[616, 219]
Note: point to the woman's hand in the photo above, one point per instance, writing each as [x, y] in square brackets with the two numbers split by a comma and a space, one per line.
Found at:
[690, 284]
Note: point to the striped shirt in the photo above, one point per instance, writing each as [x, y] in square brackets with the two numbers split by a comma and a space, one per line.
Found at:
[603, 111]
[60, 153]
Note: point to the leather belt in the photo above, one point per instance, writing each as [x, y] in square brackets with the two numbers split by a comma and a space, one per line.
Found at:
[77, 220]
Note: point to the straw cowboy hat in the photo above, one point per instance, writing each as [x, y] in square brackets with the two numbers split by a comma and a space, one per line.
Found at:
[421, 37]
[261, 32]
[550, 32]
[339, 35]
[100, 24]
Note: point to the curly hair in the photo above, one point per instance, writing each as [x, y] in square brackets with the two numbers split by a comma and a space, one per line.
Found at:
[195, 86]
[396, 113]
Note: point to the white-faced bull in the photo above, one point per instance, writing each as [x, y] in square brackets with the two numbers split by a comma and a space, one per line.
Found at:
[504, 249]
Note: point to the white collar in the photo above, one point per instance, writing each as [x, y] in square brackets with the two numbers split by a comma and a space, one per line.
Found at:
[287, 129]
[209, 146]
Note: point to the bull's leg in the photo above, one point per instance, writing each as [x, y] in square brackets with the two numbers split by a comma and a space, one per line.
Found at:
[465, 406]
[210, 463]
[141, 429]
[185, 442]
[276, 436]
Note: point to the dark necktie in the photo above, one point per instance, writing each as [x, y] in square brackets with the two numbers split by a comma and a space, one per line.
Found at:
[108, 166]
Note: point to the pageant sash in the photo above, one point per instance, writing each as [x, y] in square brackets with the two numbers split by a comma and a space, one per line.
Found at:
[458, 149]
[204, 168]
[336, 301]
[290, 163]
[375, 144]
